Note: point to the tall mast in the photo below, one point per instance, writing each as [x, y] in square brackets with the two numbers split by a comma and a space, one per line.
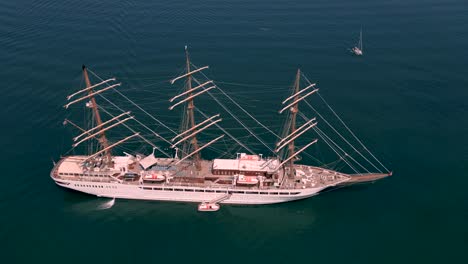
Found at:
[102, 136]
[190, 115]
[294, 110]
[360, 40]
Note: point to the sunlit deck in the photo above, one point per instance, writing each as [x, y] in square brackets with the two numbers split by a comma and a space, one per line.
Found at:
[187, 175]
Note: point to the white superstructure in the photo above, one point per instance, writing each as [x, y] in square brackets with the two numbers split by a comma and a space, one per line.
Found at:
[113, 184]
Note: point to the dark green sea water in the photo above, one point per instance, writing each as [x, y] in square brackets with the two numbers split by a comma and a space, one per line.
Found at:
[406, 98]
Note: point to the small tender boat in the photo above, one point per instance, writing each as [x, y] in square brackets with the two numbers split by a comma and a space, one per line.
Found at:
[249, 180]
[154, 177]
[208, 207]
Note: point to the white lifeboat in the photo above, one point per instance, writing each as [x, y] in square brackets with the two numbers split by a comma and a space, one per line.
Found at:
[153, 176]
[244, 156]
[208, 207]
[248, 180]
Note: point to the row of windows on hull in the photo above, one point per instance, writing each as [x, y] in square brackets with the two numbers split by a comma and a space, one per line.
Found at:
[95, 186]
[232, 172]
[217, 191]
[81, 174]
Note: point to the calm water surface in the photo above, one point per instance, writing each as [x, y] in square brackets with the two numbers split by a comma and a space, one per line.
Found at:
[406, 98]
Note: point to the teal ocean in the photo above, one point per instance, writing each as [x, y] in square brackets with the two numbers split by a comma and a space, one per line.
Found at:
[406, 98]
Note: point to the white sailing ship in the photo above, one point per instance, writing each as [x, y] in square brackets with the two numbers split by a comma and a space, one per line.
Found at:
[358, 50]
[247, 178]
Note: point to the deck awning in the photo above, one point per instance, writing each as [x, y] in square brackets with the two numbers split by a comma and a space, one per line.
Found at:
[148, 161]
[254, 164]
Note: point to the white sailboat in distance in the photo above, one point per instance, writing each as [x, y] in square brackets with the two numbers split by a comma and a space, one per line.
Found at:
[357, 50]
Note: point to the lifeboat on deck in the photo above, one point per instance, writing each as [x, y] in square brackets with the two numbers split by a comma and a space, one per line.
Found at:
[153, 176]
[208, 207]
[247, 180]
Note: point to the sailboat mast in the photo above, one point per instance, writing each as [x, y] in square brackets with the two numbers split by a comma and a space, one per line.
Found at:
[102, 136]
[294, 110]
[360, 41]
[190, 113]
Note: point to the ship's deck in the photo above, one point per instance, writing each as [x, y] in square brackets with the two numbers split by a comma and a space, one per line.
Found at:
[187, 175]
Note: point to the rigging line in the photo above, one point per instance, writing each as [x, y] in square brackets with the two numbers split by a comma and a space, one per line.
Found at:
[66, 121]
[248, 84]
[334, 143]
[141, 136]
[349, 130]
[341, 136]
[333, 163]
[227, 133]
[341, 157]
[314, 158]
[154, 118]
[139, 122]
[245, 111]
[321, 135]
[149, 142]
[110, 102]
[237, 119]
[162, 77]
[228, 149]
[344, 152]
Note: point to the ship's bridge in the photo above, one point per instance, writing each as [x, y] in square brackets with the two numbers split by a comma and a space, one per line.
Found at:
[244, 164]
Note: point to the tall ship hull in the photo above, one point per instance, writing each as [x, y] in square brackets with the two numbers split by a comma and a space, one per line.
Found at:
[189, 194]
[112, 184]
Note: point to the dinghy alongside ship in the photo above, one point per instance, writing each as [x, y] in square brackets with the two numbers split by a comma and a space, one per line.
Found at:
[186, 176]
[208, 207]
